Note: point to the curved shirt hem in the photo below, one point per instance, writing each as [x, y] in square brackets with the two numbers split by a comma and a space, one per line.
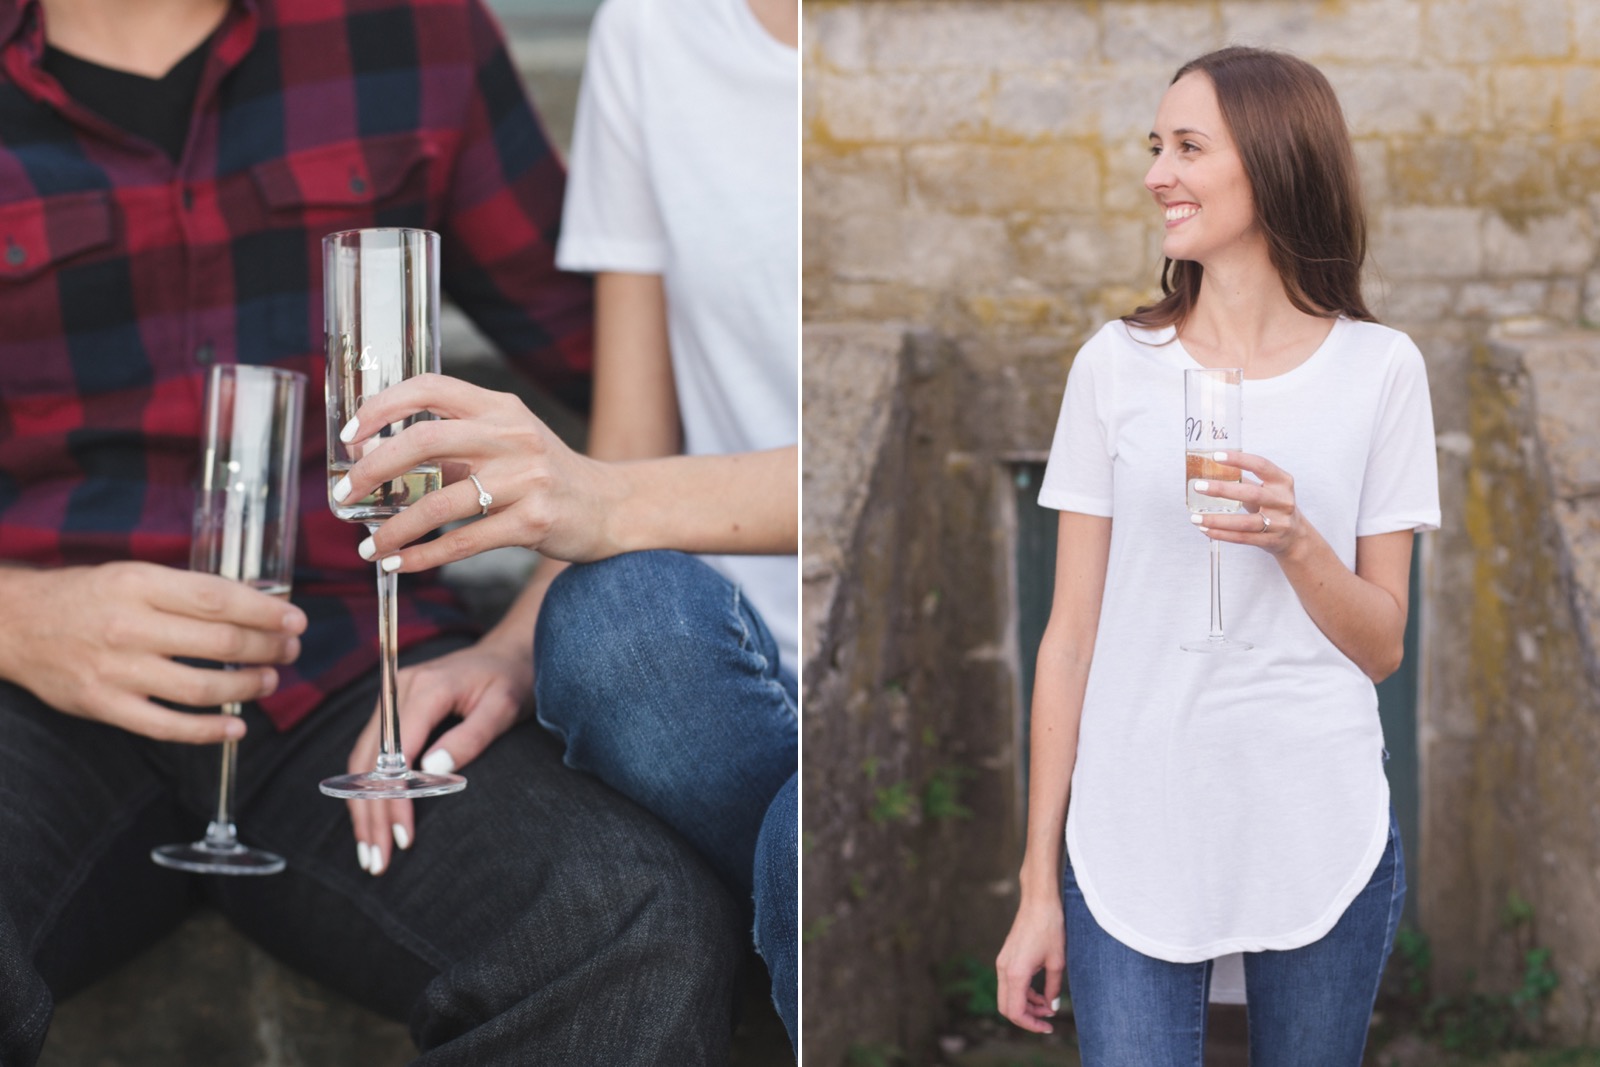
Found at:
[1305, 935]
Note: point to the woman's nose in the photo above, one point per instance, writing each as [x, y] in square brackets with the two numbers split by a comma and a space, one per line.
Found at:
[1158, 176]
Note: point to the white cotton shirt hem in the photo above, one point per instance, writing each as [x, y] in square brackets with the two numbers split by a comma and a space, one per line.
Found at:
[1267, 941]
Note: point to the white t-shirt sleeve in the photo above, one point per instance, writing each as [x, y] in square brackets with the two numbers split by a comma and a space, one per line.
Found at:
[1401, 488]
[610, 220]
[1078, 475]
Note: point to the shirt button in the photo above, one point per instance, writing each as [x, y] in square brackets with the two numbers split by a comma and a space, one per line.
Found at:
[16, 255]
[358, 184]
[205, 353]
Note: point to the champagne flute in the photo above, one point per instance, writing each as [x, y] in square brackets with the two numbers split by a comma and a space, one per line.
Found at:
[1213, 407]
[381, 317]
[244, 527]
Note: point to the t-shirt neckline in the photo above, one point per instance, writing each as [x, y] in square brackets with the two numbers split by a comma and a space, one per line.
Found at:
[1292, 374]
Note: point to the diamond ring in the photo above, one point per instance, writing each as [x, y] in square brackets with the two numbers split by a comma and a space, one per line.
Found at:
[484, 499]
[1266, 523]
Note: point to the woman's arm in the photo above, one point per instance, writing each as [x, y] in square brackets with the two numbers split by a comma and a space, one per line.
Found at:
[1362, 612]
[568, 506]
[1036, 941]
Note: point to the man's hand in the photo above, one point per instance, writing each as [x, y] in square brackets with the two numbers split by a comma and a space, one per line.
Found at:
[488, 685]
[100, 643]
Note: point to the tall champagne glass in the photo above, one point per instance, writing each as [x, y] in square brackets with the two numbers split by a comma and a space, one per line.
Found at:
[244, 526]
[381, 317]
[1213, 406]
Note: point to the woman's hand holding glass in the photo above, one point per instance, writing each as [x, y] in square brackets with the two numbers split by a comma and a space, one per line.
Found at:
[489, 686]
[1269, 520]
[545, 496]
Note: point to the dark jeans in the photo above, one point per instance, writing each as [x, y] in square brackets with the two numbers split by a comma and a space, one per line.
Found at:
[664, 682]
[538, 918]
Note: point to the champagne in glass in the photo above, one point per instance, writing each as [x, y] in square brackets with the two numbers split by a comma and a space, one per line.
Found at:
[1213, 404]
[244, 528]
[381, 317]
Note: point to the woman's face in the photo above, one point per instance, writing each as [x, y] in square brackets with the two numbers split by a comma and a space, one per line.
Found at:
[1198, 178]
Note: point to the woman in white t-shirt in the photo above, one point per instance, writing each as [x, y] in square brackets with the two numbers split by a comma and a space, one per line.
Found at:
[1234, 802]
[669, 675]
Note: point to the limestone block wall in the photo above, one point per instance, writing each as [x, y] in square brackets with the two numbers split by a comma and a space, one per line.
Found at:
[973, 171]
[978, 165]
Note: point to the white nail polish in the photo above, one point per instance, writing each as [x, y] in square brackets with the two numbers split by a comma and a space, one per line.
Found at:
[377, 861]
[1055, 1005]
[439, 761]
[401, 839]
[367, 549]
[1219, 455]
[350, 430]
[1197, 519]
[363, 855]
[1202, 487]
[341, 489]
[391, 564]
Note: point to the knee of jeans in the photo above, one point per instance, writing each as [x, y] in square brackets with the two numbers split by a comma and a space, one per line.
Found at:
[650, 608]
[592, 608]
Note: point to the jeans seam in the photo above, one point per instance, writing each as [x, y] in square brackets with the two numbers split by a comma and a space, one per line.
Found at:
[1200, 1031]
[1388, 921]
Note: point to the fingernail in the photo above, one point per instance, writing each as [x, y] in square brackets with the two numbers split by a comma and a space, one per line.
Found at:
[401, 839]
[341, 489]
[1202, 486]
[367, 549]
[1219, 455]
[232, 729]
[350, 430]
[439, 761]
[377, 861]
[1197, 519]
[269, 681]
[391, 564]
[291, 649]
[363, 854]
[1055, 1005]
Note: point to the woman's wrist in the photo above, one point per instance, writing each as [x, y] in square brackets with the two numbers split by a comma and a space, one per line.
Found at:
[1040, 880]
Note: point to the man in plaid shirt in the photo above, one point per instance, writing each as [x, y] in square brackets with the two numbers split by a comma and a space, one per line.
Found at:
[167, 172]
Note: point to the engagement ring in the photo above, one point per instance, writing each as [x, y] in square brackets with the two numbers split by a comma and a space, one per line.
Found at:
[484, 499]
[1266, 523]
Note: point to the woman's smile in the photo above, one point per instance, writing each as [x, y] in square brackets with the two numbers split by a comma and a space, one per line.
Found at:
[1178, 214]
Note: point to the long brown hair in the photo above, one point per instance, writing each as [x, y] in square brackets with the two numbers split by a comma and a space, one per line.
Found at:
[1292, 140]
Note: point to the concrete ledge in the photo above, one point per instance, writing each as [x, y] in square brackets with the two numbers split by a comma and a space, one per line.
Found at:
[205, 995]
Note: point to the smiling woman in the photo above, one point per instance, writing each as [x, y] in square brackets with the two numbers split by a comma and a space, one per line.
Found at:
[1232, 802]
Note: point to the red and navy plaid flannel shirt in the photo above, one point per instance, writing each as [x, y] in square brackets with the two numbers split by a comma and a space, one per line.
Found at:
[123, 275]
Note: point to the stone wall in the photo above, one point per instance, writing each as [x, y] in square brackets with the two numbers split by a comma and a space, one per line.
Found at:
[1512, 810]
[973, 176]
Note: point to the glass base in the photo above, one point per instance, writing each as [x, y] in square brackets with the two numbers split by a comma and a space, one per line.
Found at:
[205, 858]
[1217, 644]
[408, 785]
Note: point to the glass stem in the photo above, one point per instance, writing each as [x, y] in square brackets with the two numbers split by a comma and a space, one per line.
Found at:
[221, 834]
[391, 761]
[1216, 591]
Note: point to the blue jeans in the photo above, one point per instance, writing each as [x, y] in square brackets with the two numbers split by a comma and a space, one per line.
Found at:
[1307, 1007]
[537, 918]
[664, 683]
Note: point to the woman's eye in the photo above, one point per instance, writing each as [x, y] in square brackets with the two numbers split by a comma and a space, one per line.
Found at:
[1155, 150]
[1190, 146]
